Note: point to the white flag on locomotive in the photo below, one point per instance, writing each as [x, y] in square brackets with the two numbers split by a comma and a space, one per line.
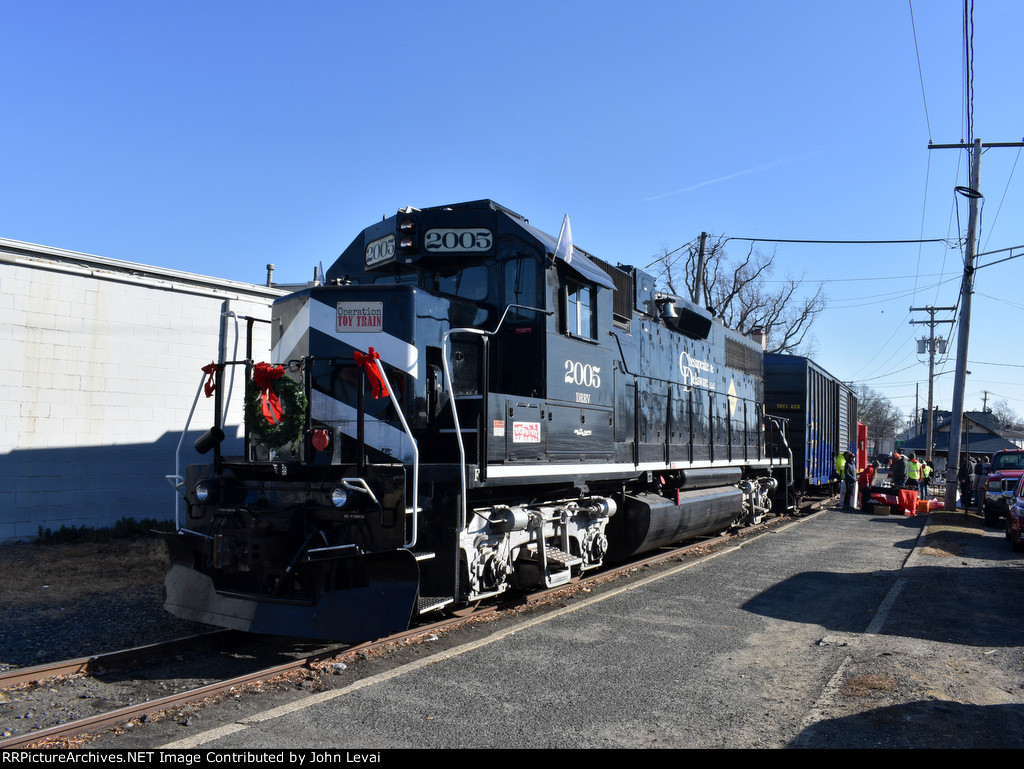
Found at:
[563, 249]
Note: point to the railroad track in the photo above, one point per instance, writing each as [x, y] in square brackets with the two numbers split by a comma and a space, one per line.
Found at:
[105, 661]
[61, 733]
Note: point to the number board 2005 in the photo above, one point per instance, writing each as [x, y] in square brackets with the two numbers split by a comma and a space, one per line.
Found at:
[459, 240]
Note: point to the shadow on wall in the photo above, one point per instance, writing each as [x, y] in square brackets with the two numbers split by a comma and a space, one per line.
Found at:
[94, 486]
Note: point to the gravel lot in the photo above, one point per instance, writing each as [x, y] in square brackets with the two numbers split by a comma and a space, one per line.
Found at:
[60, 601]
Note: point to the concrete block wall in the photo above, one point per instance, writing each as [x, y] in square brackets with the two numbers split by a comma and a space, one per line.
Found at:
[101, 368]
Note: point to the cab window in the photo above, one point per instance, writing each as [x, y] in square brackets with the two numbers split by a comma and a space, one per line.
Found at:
[520, 286]
[466, 282]
[580, 317]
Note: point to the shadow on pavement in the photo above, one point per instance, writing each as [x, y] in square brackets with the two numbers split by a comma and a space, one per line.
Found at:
[972, 606]
[921, 724]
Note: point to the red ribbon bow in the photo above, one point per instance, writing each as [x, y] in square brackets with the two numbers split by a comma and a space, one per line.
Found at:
[264, 375]
[210, 384]
[367, 362]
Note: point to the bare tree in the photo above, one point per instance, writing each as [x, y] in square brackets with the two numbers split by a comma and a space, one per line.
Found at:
[1006, 417]
[738, 292]
[883, 419]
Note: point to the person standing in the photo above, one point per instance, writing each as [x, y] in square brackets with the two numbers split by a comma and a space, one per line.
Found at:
[927, 468]
[979, 489]
[913, 473]
[840, 468]
[850, 477]
[864, 480]
[964, 476]
[898, 470]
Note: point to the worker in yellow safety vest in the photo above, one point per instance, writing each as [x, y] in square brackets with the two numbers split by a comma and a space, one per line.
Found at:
[840, 469]
[914, 472]
[926, 476]
[840, 465]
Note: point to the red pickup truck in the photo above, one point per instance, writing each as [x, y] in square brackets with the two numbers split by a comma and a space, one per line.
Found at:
[1004, 471]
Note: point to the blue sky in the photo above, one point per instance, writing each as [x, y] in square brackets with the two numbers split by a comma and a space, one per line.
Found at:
[216, 137]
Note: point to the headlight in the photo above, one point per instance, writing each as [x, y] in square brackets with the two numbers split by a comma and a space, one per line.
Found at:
[339, 496]
[996, 486]
[202, 491]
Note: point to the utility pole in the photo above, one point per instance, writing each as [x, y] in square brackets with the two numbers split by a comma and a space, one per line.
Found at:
[930, 445]
[917, 408]
[966, 290]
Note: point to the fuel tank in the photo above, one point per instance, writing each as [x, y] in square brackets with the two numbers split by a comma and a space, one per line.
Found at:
[649, 521]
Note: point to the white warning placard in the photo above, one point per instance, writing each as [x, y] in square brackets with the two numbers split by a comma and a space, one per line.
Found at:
[360, 317]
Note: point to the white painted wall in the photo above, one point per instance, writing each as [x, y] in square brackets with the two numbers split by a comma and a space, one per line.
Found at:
[101, 362]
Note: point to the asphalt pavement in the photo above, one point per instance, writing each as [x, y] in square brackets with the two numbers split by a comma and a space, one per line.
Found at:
[841, 630]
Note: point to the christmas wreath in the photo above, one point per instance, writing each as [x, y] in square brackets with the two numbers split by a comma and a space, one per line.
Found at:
[275, 407]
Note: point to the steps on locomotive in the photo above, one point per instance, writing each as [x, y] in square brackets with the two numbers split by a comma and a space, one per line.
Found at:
[567, 560]
[432, 603]
[559, 563]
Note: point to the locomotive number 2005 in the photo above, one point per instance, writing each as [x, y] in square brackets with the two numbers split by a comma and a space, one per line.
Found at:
[379, 251]
[582, 374]
[458, 240]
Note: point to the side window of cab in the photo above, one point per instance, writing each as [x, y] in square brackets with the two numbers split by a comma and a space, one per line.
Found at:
[580, 309]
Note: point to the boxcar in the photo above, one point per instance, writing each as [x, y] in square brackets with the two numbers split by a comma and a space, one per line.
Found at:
[822, 414]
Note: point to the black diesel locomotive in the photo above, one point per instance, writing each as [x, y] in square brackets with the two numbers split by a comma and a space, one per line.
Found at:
[465, 408]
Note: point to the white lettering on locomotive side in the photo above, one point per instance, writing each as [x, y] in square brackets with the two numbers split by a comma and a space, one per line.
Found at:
[688, 368]
[360, 317]
[582, 374]
[526, 432]
[583, 397]
[696, 363]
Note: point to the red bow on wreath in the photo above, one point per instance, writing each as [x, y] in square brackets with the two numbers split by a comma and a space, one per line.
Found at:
[264, 375]
[368, 363]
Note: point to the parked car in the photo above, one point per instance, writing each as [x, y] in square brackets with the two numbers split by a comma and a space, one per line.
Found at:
[1015, 517]
[1004, 472]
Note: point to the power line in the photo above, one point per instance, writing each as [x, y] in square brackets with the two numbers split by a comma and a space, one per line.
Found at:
[890, 373]
[838, 304]
[843, 242]
[1000, 207]
[863, 280]
[920, 71]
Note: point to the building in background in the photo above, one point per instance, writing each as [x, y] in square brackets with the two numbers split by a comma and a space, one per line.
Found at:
[981, 436]
[102, 363]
